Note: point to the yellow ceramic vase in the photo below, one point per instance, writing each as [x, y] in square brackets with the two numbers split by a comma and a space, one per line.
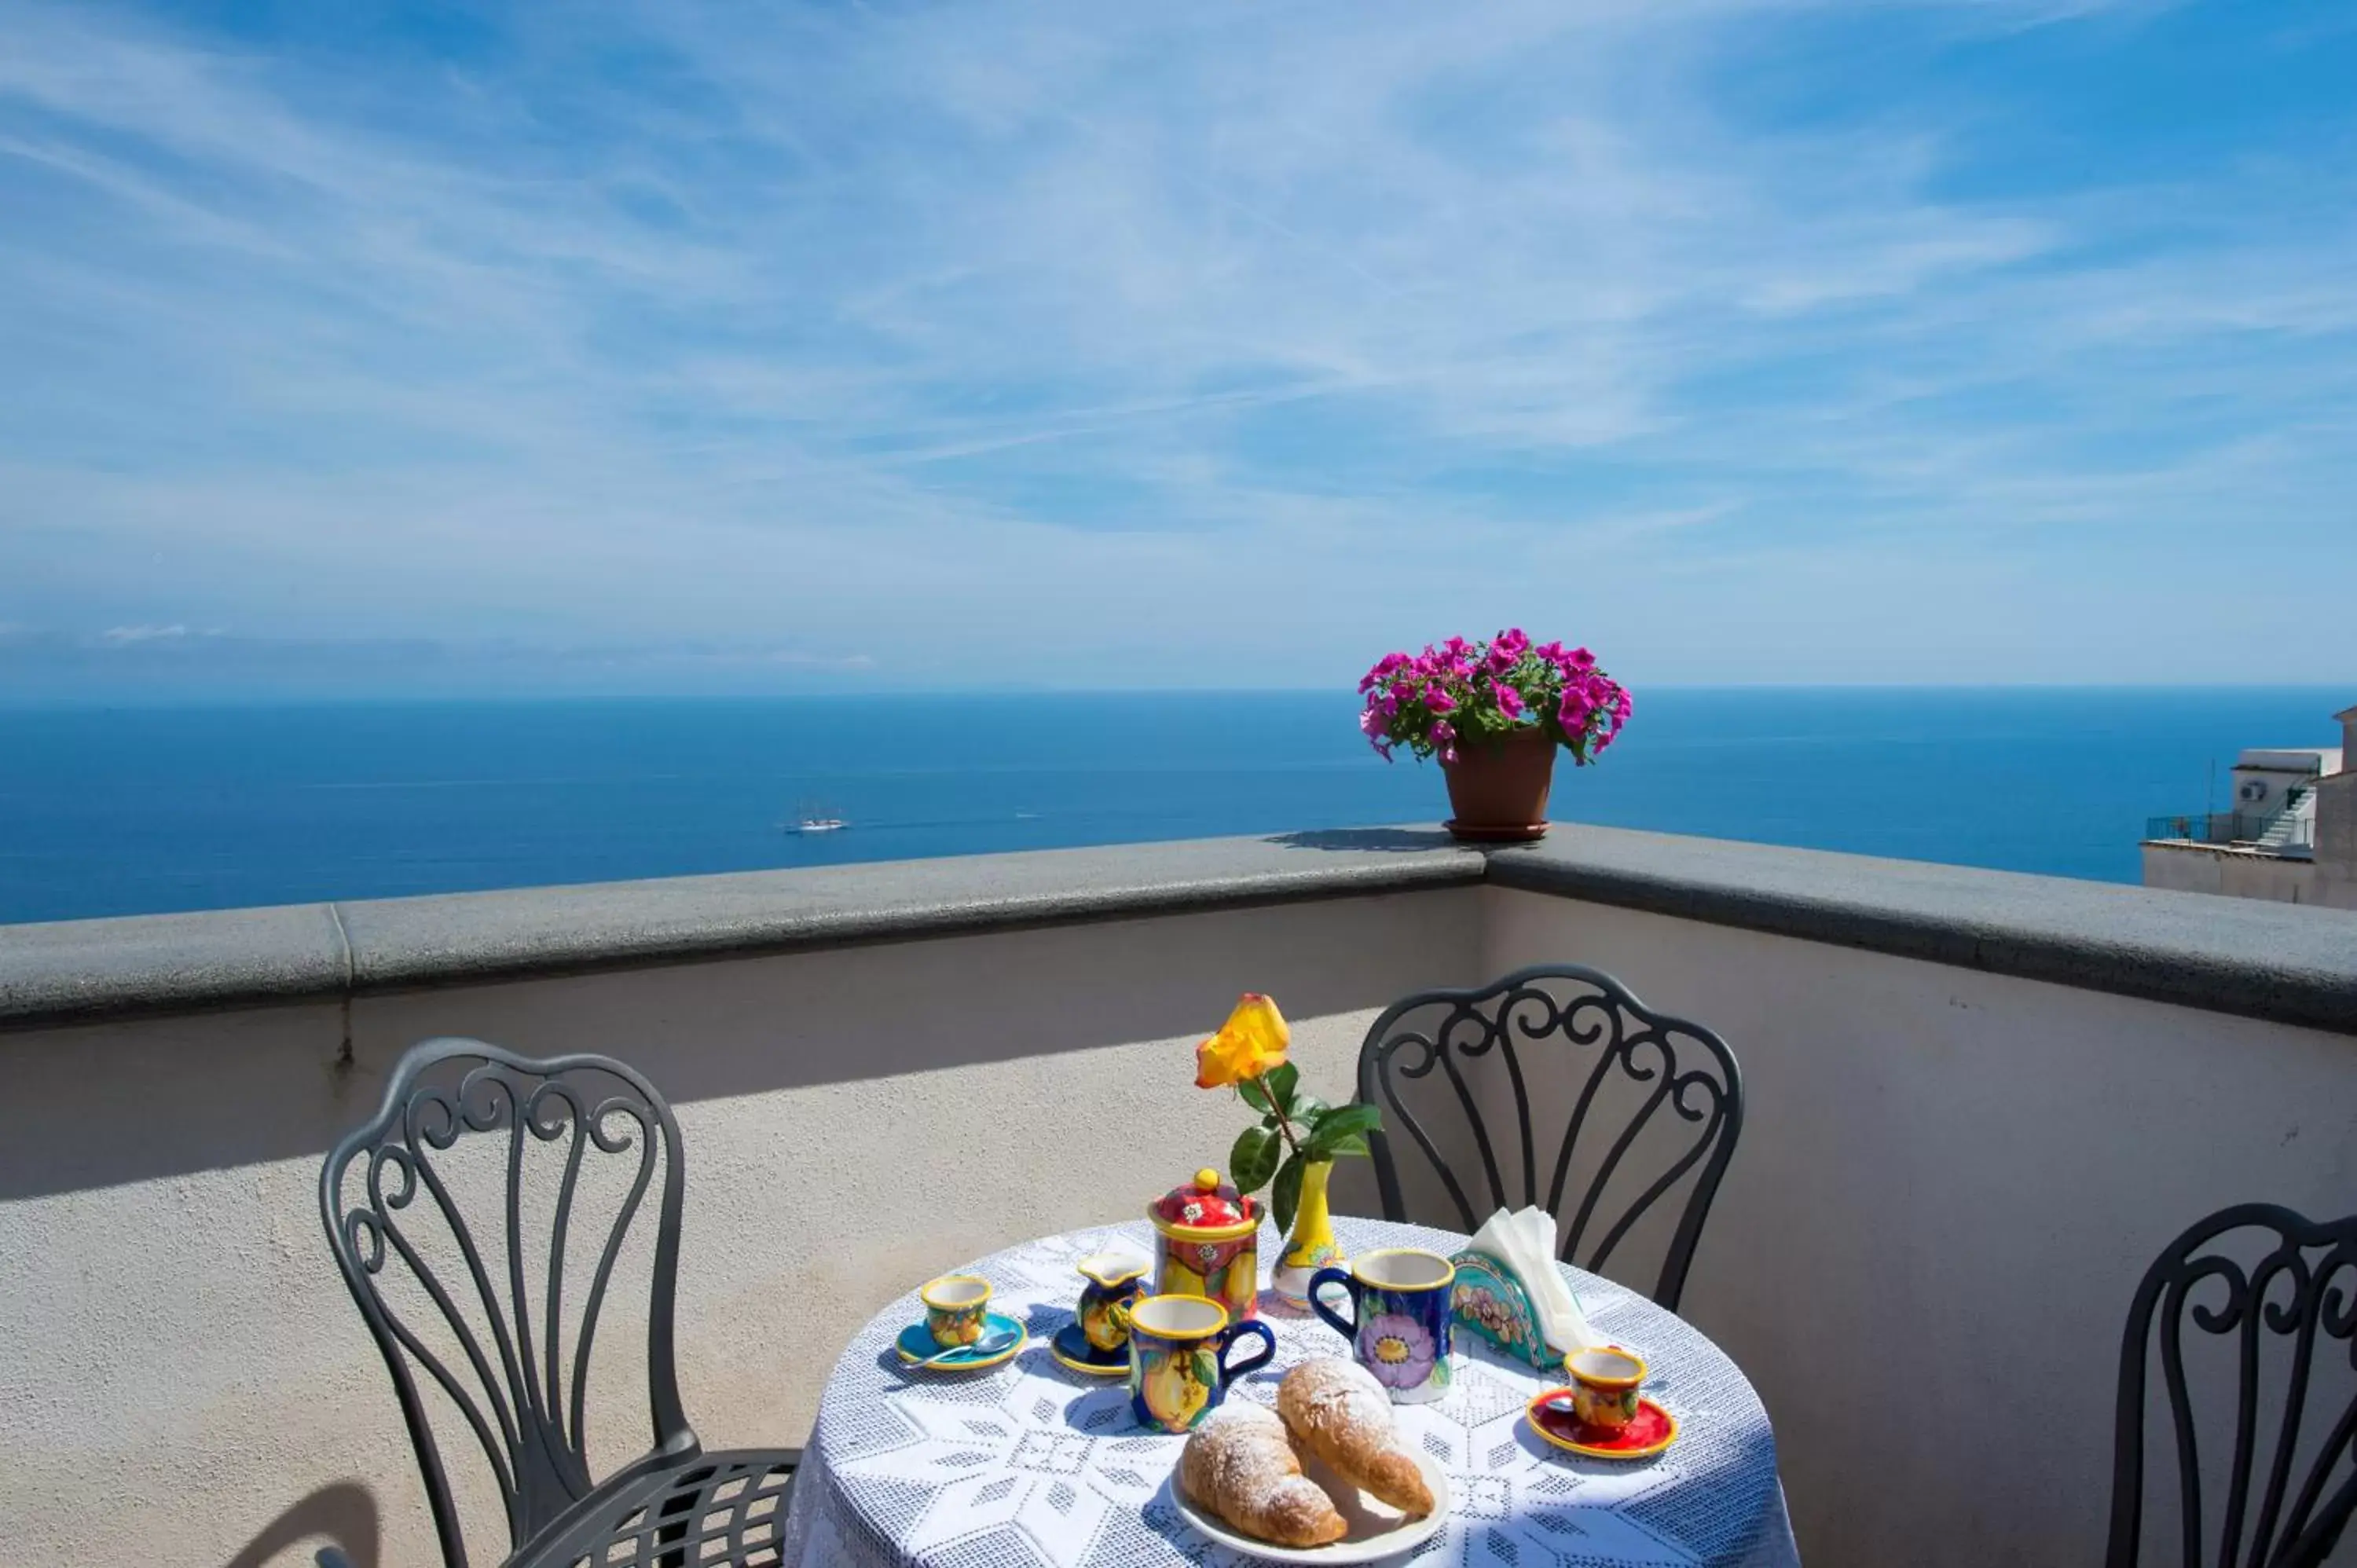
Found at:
[1311, 1245]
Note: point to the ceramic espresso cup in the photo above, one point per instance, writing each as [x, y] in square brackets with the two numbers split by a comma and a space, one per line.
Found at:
[1179, 1365]
[954, 1306]
[1604, 1386]
[1400, 1320]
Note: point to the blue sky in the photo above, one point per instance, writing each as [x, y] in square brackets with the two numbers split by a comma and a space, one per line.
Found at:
[653, 343]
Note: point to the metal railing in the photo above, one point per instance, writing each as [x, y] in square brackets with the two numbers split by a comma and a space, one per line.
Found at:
[2273, 830]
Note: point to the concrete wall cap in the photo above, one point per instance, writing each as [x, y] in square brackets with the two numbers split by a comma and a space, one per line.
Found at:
[2287, 964]
[75, 971]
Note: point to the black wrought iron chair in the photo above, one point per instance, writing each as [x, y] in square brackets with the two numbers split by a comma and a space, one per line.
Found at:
[516, 1376]
[2311, 1269]
[1668, 1062]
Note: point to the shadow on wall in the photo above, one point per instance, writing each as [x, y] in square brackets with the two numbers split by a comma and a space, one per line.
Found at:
[1387, 840]
[803, 1021]
[214, 1091]
[344, 1513]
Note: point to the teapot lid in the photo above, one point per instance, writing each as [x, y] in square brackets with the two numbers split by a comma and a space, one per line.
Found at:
[1206, 1203]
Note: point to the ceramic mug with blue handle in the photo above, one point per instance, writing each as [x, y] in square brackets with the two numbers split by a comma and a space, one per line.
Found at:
[1179, 1365]
[1398, 1329]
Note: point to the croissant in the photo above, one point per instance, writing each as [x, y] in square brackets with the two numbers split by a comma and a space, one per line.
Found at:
[1239, 1464]
[1338, 1411]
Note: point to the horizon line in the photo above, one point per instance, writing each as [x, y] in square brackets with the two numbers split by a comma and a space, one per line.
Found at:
[151, 701]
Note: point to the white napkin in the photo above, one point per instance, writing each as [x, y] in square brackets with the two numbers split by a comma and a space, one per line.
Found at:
[1524, 1242]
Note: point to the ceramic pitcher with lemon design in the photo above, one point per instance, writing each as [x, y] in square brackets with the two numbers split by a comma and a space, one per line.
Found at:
[1179, 1365]
[1114, 1280]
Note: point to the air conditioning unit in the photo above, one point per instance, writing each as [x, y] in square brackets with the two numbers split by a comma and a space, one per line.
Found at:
[2252, 789]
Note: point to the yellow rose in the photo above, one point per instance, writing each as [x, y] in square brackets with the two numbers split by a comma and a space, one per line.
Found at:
[1249, 1044]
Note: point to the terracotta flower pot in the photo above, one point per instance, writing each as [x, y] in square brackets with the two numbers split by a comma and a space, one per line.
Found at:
[1499, 790]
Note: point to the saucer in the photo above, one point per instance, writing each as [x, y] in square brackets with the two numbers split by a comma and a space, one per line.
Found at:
[1072, 1349]
[915, 1344]
[1652, 1430]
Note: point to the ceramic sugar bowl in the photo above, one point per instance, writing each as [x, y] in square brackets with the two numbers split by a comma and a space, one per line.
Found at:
[1206, 1242]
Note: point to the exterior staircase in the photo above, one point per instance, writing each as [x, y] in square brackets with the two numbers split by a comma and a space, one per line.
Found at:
[2290, 829]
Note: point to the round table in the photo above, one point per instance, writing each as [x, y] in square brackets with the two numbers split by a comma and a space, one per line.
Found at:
[1031, 1464]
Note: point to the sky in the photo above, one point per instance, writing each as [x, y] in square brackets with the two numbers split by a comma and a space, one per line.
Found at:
[654, 345]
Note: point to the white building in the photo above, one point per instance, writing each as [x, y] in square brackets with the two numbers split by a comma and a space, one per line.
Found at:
[2290, 836]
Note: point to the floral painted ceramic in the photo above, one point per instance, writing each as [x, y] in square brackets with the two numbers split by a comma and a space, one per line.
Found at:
[1399, 1329]
[1490, 1305]
[1179, 1371]
[954, 1307]
[1113, 1278]
[1207, 1240]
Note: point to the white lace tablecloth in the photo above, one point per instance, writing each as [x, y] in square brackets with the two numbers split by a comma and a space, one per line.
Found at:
[1030, 1463]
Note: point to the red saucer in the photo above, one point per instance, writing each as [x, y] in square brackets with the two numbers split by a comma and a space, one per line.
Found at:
[1652, 1430]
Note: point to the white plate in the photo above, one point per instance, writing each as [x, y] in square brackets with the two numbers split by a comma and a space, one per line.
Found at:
[1378, 1533]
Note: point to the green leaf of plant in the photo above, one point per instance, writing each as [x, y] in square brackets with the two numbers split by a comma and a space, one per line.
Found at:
[1340, 1122]
[1306, 1109]
[1280, 1081]
[1356, 1143]
[1253, 1159]
[1255, 1095]
[1286, 1196]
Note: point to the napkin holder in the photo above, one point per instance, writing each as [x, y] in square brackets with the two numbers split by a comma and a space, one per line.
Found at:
[1490, 1303]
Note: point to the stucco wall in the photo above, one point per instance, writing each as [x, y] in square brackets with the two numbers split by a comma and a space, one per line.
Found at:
[2231, 875]
[1948, 1186]
[1979, 1104]
[185, 1381]
[2336, 839]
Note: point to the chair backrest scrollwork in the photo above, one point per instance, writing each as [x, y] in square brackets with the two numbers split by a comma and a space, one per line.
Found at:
[1664, 1064]
[505, 1338]
[2284, 1288]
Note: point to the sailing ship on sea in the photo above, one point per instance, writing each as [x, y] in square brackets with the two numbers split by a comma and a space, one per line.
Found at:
[809, 818]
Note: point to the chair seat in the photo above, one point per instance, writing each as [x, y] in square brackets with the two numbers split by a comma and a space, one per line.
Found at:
[713, 1510]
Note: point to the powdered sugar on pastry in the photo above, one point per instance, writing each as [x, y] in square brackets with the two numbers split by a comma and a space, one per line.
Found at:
[1338, 1411]
[1339, 1396]
[1240, 1465]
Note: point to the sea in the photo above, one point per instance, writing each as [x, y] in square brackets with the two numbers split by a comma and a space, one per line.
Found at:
[125, 810]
